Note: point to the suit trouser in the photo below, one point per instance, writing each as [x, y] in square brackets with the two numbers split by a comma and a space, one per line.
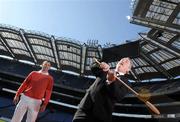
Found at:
[28, 104]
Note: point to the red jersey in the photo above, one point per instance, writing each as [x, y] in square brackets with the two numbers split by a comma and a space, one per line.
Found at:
[37, 85]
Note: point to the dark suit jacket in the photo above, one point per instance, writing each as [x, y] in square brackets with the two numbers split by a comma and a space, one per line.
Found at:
[99, 99]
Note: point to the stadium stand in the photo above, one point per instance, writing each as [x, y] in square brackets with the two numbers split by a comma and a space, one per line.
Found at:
[156, 64]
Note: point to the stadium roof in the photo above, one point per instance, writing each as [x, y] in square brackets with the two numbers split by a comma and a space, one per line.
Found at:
[151, 60]
[160, 47]
[159, 14]
[63, 53]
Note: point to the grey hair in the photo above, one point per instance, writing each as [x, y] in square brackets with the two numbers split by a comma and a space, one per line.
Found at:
[123, 60]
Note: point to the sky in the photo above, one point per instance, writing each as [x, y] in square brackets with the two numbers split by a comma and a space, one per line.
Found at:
[82, 20]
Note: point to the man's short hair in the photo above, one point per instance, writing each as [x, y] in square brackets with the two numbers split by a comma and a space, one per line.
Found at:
[44, 62]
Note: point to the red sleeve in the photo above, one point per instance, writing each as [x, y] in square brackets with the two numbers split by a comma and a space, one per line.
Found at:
[24, 84]
[48, 91]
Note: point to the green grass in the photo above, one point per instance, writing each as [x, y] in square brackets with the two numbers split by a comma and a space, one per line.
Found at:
[2, 120]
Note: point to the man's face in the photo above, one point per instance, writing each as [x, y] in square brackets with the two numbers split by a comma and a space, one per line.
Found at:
[127, 67]
[46, 66]
[124, 67]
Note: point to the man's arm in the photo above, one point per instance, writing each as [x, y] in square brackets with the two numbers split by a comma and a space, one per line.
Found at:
[22, 88]
[47, 95]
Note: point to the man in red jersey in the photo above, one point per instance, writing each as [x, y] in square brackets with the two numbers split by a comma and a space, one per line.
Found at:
[35, 87]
